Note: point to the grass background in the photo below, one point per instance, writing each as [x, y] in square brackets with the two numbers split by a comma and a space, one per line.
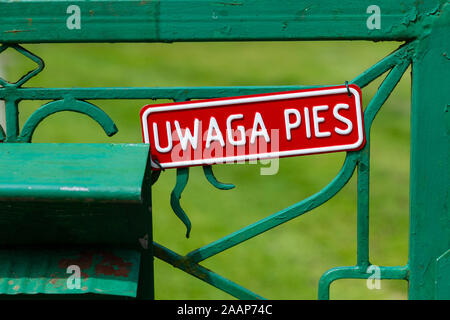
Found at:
[286, 262]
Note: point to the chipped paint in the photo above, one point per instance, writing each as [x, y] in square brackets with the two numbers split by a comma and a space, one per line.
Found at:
[74, 189]
[15, 31]
[113, 265]
[112, 272]
[232, 3]
[84, 261]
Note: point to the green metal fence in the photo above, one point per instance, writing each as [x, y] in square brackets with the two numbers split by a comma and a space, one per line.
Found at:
[422, 28]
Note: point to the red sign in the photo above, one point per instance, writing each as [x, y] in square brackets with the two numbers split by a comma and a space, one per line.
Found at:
[253, 127]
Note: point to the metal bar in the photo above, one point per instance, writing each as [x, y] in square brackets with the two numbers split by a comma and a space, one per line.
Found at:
[383, 65]
[68, 104]
[2, 108]
[374, 106]
[383, 93]
[430, 158]
[355, 272]
[143, 92]
[12, 119]
[208, 20]
[203, 273]
[362, 249]
[38, 61]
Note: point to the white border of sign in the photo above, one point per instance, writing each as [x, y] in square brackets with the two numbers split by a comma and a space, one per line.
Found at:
[313, 93]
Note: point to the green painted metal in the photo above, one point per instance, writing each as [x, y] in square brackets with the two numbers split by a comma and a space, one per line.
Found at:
[182, 180]
[175, 196]
[80, 196]
[357, 272]
[72, 172]
[208, 20]
[430, 158]
[29, 75]
[209, 174]
[442, 281]
[175, 93]
[422, 26]
[203, 273]
[38, 271]
[68, 104]
[58, 194]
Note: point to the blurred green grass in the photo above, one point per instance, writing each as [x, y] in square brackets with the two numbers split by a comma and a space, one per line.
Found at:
[286, 262]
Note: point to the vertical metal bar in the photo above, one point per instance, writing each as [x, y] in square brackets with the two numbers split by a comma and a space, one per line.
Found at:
[2, 114]
[146, 287]
[430, 158]
[12, 119]
[2, 103]
[371, 111]
[363, 207]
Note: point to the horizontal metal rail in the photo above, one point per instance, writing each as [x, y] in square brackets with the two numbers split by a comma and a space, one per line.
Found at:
[36, 21]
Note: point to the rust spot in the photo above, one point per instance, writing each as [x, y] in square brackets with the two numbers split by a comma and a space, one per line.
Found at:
[56, 280]
[91, 12]
[84, 261]
[30, 21]
[113, 265]
[15, 31]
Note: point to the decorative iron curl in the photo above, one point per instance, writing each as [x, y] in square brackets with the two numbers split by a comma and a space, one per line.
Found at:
[182, 180]
[67, 104]
[175, 196]
[209, 174]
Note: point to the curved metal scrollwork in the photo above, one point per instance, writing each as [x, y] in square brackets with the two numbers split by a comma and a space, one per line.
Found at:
[175, 196]
[209, 174]
[182, 179]
[68, 104]
[40, 65]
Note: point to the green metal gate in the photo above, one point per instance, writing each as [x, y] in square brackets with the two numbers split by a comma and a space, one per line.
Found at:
[422, 27]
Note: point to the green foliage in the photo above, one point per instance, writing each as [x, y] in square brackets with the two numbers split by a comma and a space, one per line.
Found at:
[284, 263]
